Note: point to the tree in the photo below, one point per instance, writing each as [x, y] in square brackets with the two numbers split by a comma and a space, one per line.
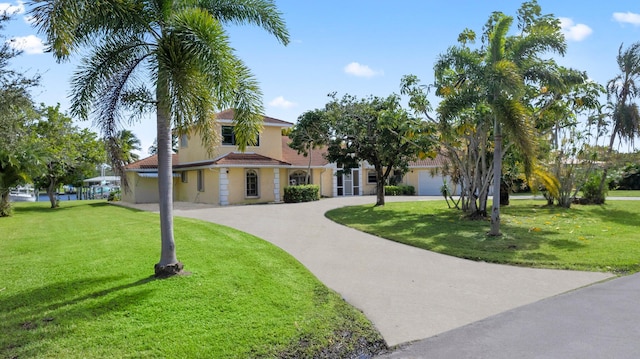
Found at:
[127, 142]
[153, 149]
[621, 92]
[492, 82]
[66, 153]
[181, 49]
[377, 130]
[16, 109]
[310, 132]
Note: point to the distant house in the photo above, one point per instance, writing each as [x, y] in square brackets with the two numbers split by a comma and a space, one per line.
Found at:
[260, 174]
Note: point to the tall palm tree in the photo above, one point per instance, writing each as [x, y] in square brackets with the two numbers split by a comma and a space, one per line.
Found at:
[171, 57]
[498, 75]
[621, 92]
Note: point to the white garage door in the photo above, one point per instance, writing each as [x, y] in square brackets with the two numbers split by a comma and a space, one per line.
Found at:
[427, 185]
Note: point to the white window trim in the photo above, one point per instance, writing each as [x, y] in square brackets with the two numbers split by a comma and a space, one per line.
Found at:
[257, 172]
[200, 185]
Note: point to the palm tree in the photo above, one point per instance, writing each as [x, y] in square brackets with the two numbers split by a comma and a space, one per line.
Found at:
[621, 91]
[127, 142]
[171, 57]
[498, 75]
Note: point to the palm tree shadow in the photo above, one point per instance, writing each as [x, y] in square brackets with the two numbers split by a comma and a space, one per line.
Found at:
[55, 309]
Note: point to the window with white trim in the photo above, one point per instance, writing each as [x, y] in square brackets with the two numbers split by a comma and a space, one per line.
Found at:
[184, 177]
[229, 137]
[298, 177]
[371, 177]
[184, 141]
[251, 183]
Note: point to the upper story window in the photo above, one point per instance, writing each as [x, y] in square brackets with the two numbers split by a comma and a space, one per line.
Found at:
[229, 138]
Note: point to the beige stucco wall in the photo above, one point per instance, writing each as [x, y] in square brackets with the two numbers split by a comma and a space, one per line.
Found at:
[237, 186]
[144, 189]
[188, 192]
[270, 146]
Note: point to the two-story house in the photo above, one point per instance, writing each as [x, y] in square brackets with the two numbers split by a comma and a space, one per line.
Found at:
[260, 174]
[257, 175]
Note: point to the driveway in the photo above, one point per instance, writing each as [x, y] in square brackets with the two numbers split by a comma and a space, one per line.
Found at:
[408, 293]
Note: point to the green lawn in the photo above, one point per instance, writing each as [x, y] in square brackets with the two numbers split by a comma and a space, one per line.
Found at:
[594, 238]
[75, 283]
[621, 193]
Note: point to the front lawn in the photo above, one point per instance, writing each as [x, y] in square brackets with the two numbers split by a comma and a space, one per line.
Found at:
[593, 238]
[75, 283]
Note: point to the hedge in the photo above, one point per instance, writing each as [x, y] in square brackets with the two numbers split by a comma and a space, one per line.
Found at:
[401, 190]
[302, 193]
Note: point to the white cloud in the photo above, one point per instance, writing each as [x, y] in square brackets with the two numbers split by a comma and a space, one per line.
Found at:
[29, 44]
[360, 70]
[573, 31]
[281, 103]
[627, 17]
[10, 9]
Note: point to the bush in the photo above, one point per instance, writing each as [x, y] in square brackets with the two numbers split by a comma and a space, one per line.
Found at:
[591, 190]
[302, 193]
[401, 190]
[114, 195]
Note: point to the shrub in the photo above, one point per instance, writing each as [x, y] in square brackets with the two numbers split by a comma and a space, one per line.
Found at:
[302, 193]
[401, 190]
[591, 190]
[114, 195]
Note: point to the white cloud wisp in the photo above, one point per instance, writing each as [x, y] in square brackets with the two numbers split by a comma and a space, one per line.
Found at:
[360, 70]
[573, 31]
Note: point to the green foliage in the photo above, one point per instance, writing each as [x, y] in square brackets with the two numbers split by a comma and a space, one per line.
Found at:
[379, 131]
[592, 193]
[301, 193]
[593, 238]
[114, 195]
[400, 190]
[245, 299]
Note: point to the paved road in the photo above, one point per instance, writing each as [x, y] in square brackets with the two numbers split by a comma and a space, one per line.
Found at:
[599, 321]
[408, 293]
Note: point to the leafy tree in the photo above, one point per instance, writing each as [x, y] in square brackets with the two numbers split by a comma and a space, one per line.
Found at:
[67, 153]
[491, 83]
[17, 112]
[621, 92]
[377, 130]
[179, 48]
[310, 132]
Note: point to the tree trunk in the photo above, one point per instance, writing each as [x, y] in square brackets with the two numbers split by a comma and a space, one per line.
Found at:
[605, 170]
[53, 196]
[379, 187]
[497, 179]
[5, 205]
[168, 264]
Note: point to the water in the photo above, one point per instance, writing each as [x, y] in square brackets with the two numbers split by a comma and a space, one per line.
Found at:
[43, 197]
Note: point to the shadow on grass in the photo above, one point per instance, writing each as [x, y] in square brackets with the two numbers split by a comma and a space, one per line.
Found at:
[449, 232]
[30, 319]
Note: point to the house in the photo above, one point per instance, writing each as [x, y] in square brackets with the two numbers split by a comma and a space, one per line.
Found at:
[258, 175]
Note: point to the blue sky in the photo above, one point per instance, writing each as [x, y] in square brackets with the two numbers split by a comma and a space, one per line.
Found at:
[360, 47]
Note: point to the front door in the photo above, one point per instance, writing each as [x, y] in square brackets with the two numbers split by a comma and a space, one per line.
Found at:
[349, 183]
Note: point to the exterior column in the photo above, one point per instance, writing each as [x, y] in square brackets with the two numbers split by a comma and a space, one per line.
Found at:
[276, 185]
[224, 186]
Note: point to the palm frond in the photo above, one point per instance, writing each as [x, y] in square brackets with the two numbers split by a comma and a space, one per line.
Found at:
[263, 13]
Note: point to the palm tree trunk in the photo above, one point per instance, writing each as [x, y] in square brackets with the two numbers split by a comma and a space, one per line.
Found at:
[497, 178]
[605, 170]
[168, 264]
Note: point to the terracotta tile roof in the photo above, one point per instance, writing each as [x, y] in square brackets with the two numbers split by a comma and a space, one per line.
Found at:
[228, 115]
[439, 161]
[150, 162]
[251, 159]
[290, 155]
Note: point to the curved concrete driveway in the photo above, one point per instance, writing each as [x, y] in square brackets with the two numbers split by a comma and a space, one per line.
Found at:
[408, 293]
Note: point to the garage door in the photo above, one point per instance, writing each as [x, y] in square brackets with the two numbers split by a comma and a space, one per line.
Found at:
[427, 185]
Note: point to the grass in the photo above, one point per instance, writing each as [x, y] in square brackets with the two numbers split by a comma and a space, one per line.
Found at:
[623, 193]
[593, 238]
[75, 283]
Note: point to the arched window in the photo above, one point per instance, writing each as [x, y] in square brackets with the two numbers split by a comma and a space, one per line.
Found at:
[251, 183]
[298, 177]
